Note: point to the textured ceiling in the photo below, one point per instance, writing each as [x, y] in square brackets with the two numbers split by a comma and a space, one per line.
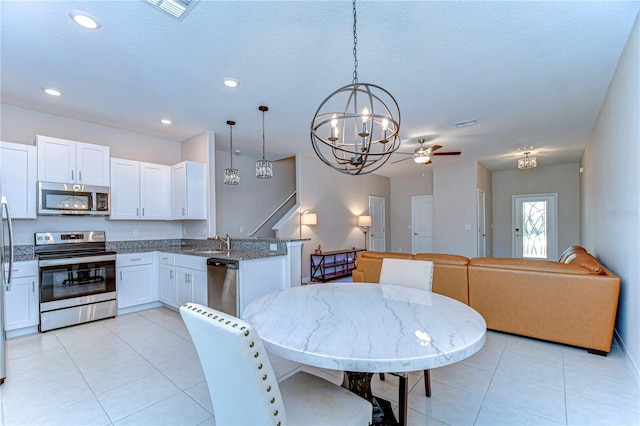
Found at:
[530, 73]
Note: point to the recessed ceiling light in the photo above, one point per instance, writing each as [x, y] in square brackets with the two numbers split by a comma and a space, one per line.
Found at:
[84, 19]
[465, 123]
[51, 91]
[230, 82]
[165, 121]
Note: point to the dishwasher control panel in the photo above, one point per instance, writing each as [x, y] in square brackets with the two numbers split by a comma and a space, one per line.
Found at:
[223, 263]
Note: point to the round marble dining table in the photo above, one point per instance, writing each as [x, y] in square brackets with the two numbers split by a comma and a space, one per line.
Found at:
[366, 328]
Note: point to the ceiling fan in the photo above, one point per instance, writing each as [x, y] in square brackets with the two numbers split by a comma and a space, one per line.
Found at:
[422, 154]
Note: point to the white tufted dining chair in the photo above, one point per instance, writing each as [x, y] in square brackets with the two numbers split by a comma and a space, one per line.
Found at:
[243, 387]
[409, 273]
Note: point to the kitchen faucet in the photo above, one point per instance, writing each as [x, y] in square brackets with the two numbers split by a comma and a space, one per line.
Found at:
[226, 240]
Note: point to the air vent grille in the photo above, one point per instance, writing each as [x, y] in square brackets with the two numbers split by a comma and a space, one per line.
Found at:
[175, 8]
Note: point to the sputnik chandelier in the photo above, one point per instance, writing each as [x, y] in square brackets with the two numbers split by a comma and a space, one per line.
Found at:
[355, 129]
[231, 175]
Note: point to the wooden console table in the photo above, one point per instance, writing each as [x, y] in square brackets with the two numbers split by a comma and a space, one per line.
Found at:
[333, 264]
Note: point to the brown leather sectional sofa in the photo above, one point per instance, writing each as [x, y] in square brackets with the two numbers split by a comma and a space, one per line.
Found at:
[571, 301]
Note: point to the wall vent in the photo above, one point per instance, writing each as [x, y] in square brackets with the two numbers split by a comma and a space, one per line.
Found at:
[175, 8]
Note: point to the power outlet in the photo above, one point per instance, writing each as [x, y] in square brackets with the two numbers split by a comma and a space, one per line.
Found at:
[273, 247]
[136, 233]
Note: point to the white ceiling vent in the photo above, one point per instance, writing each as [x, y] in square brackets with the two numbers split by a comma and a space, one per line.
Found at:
[176, 8]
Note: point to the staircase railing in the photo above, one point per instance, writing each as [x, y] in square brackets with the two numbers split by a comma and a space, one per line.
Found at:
[252, 233]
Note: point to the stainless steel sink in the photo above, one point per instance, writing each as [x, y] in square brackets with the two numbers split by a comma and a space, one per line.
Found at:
[206, 251]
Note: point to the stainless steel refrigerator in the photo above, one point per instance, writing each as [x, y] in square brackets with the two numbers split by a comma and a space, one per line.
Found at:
[6, 266]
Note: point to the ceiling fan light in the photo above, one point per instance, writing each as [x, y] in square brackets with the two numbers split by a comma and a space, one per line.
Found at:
[422, 159]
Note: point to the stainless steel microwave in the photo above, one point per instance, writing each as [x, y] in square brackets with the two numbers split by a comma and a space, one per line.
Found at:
[73, 199]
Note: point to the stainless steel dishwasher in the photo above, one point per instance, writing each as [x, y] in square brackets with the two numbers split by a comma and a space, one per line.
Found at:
[222, 278]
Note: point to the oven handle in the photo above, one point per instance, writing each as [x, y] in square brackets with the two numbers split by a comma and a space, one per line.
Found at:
[76, 260]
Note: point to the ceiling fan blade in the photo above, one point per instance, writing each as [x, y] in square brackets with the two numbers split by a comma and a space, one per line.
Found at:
[404, 159]
[447, 153]
[434, 148]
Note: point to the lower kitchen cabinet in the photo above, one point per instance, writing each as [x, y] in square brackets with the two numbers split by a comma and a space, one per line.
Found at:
[21, 300]
[136, 284]
[167, 279]
[183, 279]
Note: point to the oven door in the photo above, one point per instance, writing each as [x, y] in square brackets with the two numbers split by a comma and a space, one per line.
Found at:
[76, 277]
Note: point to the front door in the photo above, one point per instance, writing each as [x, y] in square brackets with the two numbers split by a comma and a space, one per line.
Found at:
[377, 233]
[535, 233]
[422, 224]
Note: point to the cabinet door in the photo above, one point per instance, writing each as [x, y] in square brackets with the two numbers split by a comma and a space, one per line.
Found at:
[179, 191]
[125, 194]
[92, 164]
[21, 303]
[135, 285]
[155, 189]
[18, 173]
[184, 287]
[199, 283]
[56, 159]
[168, 285]
[196, 190]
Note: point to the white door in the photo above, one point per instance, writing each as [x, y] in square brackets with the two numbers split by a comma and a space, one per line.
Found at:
[422, 224]
[56, 160]
[92, 164]
[482, 223]
[535, 232]
[376, 234]
[155, 191]
[125, 189]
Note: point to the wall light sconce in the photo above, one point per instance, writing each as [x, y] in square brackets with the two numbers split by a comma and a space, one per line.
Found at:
[365, 222]
[307, 218]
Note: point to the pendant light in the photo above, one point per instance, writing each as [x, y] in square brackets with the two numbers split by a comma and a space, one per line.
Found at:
[359, 137]
[231, 175]
[264, 168]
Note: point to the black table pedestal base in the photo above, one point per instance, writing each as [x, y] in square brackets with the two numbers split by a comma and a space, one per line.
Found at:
[360, 384]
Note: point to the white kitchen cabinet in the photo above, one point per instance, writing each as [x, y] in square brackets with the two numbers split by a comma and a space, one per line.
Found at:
[65, 161]
[18, 173]
[191, 280]
[167, 279]
[139, 190]
[257, 277]
[188, 191]
[136, 279]
[21, 300]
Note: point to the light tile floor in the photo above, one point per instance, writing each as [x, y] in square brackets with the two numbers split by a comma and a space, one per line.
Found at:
[142, 369]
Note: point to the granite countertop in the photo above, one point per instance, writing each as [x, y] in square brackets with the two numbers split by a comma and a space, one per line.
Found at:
[205, 252]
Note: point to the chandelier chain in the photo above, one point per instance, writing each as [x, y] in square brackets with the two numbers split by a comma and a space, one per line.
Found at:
[355, 43]
[231, 144]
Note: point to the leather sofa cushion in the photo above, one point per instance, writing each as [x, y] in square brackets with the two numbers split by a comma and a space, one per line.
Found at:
[383, 254]
[529, 265]
[442, 259]
[588, 262]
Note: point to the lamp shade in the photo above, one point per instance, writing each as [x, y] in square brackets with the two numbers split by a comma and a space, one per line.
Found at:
[364, 220]
[309, 219]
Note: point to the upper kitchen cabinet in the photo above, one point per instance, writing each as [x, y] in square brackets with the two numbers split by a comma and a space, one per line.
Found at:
[188, 191]
[18, 174]
[65, 161]
[140, 190]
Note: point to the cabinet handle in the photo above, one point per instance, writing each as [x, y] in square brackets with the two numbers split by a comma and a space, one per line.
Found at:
[137, 259]
[33, 286]
[137, 211]
[120, 275]
[79, 175]
[183, 212]
[143, 211]
[171, 273]
[72, 176]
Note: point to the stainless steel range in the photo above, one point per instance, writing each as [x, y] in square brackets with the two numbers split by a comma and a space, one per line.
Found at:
[77, 278]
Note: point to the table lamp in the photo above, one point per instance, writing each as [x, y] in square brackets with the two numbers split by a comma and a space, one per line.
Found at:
[307, 218]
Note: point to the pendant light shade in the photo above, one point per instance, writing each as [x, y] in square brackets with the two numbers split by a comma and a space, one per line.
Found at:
[356, 128]
[231, 175]
[264, 168]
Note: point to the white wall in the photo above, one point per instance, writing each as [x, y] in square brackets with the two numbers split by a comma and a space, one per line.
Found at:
[402, 189]
[561, 179]
[454, 209]
[21, 125]
[611, 191]
[337, 199]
